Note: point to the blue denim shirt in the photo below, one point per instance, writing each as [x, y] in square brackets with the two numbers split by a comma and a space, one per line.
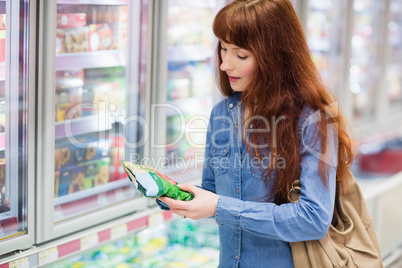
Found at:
[256, 233]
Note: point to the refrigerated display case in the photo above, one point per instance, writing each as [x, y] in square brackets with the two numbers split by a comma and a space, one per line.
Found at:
[365, 61]
[327, 38]
[17, 124]
[177, 243]
[191, 90]
[394, 66]
[91, 91]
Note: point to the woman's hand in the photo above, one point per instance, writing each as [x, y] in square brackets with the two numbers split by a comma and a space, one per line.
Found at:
[202, 206]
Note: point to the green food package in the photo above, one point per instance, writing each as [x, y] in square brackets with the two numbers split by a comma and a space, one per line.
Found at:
[153, 184]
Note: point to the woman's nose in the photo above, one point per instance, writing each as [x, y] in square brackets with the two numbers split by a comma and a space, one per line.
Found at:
[226, 65]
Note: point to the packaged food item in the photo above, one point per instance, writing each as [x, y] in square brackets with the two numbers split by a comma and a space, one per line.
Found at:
[71, 20]
[116, 152]
[90, 170]
[68, 94]
[71, 40]
[2, 171]
[2, 21]
[2, 115]
[101, 94]
[56, 183]
[102, 173]
[107, 78]
[2, 45]
[60, 41]
[101, 37]
[77, 180]
[121, 26]
[66, 100]
[153, 184]
[2, 37]
[63, 154]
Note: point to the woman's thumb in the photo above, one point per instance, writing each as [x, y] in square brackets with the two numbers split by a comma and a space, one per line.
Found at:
[187, 187]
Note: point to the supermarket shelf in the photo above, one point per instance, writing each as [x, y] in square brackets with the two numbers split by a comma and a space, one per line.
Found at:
[93, 2]
[92, 203]
[189, 53]
[2, 71]
[91, 192]
[2, 141]
[87, 240]
[198, 4]
[83, 125]
[94, 59]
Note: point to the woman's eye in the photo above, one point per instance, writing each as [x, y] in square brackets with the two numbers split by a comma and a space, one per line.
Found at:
[224, 49]
[242, 58]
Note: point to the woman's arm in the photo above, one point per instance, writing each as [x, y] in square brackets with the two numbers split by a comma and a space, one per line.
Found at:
[308, 219]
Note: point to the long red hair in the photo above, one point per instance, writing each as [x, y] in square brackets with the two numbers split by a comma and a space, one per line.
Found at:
[286, 80]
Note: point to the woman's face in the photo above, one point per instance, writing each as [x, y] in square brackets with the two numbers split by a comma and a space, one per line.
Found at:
[239, 64]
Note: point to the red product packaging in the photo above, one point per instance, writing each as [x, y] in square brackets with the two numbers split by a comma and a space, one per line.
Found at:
[71, 20]
[2, 45]
[116, 154]
[385, 162]
[101, 37]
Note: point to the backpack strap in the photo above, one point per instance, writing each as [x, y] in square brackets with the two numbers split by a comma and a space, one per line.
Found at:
[332, 253]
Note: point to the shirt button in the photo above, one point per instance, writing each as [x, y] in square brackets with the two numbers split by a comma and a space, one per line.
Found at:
[231, 105]
[224, 151]
[238, 190]
[237, 256]
[237, 125]
[213, 151]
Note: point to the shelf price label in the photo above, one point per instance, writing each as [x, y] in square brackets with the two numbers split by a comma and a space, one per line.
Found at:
[89, 241]
[155, 219]
[20, 263]
[118, 231]
[48, 255]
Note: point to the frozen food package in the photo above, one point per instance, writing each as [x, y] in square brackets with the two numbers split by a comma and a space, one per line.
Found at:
[153, 184]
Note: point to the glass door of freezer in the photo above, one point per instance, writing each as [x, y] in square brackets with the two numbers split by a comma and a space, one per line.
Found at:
[16, 125]
[94, 94]
[365, 61]
[394, 66]
[191, 87]
[326, 36]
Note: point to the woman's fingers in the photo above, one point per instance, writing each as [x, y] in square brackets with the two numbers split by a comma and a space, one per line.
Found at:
[188, 188]
[172, 203]
[203, 205]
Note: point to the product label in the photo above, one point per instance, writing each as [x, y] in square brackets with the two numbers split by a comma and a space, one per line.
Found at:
[48, 255]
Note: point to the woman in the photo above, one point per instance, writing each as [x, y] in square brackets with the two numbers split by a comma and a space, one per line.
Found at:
[278, 124]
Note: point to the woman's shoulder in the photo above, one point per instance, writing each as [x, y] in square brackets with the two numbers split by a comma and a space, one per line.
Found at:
[308, 116]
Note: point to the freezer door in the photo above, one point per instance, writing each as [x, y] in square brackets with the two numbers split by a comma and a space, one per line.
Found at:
[394, 65]
[187, 86]
[17, 125]
[365, 61]
[92, 81]
[326, 31]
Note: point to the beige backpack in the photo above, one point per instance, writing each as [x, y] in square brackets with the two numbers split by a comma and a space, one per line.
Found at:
[351, 240]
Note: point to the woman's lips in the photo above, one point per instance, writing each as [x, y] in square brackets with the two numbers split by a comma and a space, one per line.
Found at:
[233, 79]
